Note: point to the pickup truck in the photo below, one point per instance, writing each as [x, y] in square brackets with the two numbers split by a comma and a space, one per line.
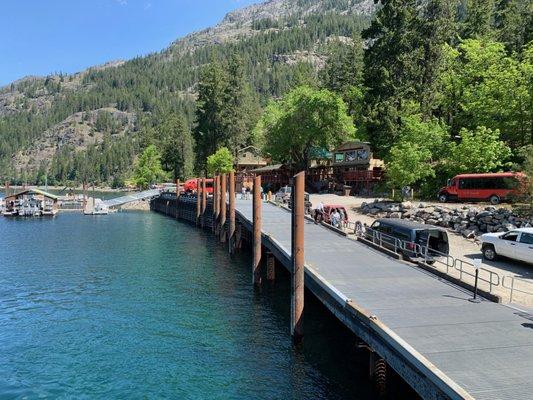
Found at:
[516, 244]
[283, 195]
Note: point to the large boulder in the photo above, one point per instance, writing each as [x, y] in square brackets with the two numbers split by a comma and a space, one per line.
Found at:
[406, 205]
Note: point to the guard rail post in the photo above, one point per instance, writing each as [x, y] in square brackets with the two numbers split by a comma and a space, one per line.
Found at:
[477, 265]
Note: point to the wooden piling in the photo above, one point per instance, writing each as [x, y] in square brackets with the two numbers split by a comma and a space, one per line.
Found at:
[177, 188]
[297, 281]
[204, 200]
[270, 267]
[215, 203]
[238, 236]
[231, 230]
[198, 200]
[222, 219]
[84, 196]
[257, 209]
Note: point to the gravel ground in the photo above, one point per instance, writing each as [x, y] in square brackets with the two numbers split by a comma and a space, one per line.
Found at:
[459, 247]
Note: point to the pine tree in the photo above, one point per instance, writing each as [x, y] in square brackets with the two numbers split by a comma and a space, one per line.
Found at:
[209, 133]
[478, 20]
[437, 27]
[513, 21]
[239, 111]
[177, 146]
[344, 66]
[343, 74]
[392, 69]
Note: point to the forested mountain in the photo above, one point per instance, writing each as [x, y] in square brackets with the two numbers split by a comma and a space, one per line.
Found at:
[438, 87]
[279, 43]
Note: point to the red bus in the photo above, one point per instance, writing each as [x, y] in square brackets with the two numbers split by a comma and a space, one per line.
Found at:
[190, 185]
[494, 188]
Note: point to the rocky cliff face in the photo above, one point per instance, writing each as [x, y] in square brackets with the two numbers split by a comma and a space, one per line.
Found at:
[264, 17]
[37, 93]
[77, 132]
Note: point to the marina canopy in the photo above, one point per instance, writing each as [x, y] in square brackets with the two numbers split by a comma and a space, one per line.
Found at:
[34, 192]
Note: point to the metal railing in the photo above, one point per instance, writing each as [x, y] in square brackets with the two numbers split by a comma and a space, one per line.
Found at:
[430, 256]
[459, 266]
[377, 238]
[513, 287]
[437, 257]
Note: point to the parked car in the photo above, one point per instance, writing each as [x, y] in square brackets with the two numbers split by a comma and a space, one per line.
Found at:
[410, 234]
[283, 195]
[516, 244]
[483, 187]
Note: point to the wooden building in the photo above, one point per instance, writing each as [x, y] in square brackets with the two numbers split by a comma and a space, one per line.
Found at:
[274, 176]
[30, 202]
[353, 165]
[248, 159]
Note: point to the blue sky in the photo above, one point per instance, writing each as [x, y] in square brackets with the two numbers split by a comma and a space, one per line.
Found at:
[38, 37]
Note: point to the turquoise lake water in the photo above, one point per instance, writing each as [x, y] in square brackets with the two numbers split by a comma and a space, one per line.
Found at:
[137, 305]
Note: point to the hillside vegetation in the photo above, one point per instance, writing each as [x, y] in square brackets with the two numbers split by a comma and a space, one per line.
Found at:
[277, 42]
[438, 87]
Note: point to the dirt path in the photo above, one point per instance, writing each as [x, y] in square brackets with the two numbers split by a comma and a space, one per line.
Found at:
[459, 248]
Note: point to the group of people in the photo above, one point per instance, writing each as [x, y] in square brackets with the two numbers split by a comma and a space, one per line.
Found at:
[337, 216]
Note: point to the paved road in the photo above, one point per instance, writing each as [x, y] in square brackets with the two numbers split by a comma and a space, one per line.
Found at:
[485, 348]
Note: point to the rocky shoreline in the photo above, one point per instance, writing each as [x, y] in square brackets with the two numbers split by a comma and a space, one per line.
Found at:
[138, 205]
[468, 221]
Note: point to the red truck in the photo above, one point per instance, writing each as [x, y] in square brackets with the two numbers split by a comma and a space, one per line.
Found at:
[493, 187]
[191, 186]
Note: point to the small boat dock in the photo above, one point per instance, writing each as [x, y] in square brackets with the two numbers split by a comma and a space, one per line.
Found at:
[30, 203]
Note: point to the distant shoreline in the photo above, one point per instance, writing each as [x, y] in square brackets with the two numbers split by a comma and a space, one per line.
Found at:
[78, 188]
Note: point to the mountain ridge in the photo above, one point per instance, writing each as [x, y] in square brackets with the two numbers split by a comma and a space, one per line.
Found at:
[277, 39]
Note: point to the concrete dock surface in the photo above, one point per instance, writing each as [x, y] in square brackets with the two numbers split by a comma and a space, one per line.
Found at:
[485, 348]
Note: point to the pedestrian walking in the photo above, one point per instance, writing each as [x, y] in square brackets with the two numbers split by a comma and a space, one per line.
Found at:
[319, 212]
